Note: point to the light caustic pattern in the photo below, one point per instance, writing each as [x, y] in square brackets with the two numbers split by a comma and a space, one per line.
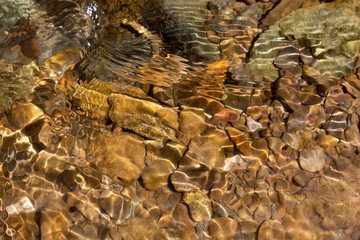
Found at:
[194, 120]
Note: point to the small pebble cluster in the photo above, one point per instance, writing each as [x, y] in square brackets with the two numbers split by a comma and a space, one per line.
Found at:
[185, 144]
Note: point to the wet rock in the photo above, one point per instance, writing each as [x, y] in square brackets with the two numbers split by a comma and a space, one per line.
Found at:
[262, 213]
[209, 104]
[110, 154]
[310, 3]
[139, 228]
[223, 228]
[209, 148]
[248, 227]
[143, 117]
[281, 10]
[312, 159]
[313, 76]
[298, 120]
[224, 115]
[302, 178]
[352, 85]
[325, 141]
[292, 140]
[22, 114]
[213, 37]
[31, 47]
[288, 89]
[90, 103]
[199, 204]
[253, 125]
[190, 175]
[336, 124]
[237, 6]
[156, 175]
[227, 47]
[307, 58]
[309, 97]
[192, 122]
[271, 230]
[255, 112]
[118, 207]
[240, 140]
[181, 224]
[53, 225]
[332, 55]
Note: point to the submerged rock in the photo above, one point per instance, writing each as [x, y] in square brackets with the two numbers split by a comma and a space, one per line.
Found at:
[110, 154]
[312, 159]
[320, 28]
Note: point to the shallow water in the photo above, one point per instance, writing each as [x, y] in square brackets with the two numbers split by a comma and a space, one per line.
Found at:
[195, 120]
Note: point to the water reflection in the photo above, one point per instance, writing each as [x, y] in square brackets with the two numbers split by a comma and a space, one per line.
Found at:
[198, 120]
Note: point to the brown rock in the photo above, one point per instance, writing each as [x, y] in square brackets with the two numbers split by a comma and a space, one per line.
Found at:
[199, 204]
[223, 228]
[224, 115]
[190, 175]
[312, 159]
[208, 148]
[31, 47]
[121, 156]
[239, 138]
[281, 10]
[156, 175]
[146, 118]
[327, 141]
[182, 226]
[90, 103]
[352, 85]
[118, 207]
[271, 230]
[53, 225]
[213, 37]
[262, 213]
[310, 3]
[140, 228]
[22, 114]
[292, 140]
[192, 122]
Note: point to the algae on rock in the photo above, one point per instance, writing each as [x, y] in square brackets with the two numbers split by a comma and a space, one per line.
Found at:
[331, 31]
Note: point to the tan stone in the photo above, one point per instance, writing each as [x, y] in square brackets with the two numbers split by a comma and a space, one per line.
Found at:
[262, 213]
[199, 204]
[146, 118]
[312, 159]
[121, 156]
[169, 116]
[327, 141]
[140, 228]
[192, 122]
[156, 175]
[208, 148]
[53, 225]
[118, 207]
[22, 114]
[223, 228]
[271, 230]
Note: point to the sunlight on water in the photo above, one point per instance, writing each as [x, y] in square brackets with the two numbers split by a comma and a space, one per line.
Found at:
[211, 119]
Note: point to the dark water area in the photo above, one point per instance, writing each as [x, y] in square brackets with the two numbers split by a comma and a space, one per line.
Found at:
[164, 119]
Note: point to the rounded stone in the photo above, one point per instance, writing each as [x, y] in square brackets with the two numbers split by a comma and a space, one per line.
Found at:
[223, 228]
[312, 159]
[200, 205]
[156, 175]
[121, 156]
[22, 114]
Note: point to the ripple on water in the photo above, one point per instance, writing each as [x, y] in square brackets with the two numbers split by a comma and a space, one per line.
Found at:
[113, 129]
